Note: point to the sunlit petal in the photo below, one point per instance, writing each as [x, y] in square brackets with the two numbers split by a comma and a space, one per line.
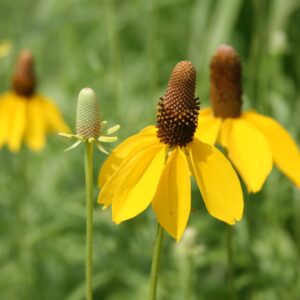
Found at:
[250, 152]
[225, 132]
[17, 124]
[142, 174]
[217, 181]
[121, 151]
[36, 126]
[53, 119]
[172, 201]
[207, 111]
[285, 152]
[149, 129]
[5, 117]
[208, 128]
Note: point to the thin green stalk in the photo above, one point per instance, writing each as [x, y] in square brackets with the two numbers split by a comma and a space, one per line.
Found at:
[23, 228]
[89, 220]
[155, 262]
[230, 256]
[188, 280]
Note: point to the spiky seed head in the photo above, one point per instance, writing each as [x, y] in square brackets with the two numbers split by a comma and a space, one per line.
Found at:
[178, 109]
[226, 83]
[88, 123]
[23, 80]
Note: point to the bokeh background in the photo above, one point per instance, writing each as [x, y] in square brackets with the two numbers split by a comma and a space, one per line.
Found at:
[125, 51]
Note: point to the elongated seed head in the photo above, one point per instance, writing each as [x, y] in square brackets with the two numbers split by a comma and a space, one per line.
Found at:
[178, 109]
[225, 83]
[23, 80]
[88, 117]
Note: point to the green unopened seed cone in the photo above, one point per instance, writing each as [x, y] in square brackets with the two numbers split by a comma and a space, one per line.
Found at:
[88, 123]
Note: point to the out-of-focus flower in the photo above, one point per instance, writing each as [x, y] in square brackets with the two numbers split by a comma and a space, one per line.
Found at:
[253, 141]
[27, 116]
[155, 165]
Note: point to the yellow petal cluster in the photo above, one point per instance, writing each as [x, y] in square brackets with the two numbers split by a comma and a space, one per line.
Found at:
[253, 143]
[143, 171]
[28, 119]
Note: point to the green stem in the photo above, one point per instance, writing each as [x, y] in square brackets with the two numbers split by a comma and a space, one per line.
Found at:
[23, 228]
[155, 262]
[231, 263]
[89, 220]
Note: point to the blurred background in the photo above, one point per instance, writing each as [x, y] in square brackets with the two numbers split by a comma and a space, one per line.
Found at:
[125, 51]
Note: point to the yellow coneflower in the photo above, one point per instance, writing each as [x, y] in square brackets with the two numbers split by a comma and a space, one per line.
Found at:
[155, 165]
[253, 141]
[26, 116]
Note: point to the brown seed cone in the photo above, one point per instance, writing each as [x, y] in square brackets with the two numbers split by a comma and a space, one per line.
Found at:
[177, 113]
[23, 80]
[225, 83]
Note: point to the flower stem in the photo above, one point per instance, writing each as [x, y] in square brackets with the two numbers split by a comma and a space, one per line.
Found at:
[23, 228]
[231, 263]
[155, 262]
[89, 220]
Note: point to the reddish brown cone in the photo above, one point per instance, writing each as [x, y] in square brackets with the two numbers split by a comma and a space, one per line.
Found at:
[23, 80]
[225, 83]
[178, 110]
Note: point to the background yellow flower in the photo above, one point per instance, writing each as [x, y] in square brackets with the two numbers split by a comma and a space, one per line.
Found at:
[253, 141]
[26, 116]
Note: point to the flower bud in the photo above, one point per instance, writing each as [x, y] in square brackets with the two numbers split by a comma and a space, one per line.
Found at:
[88, 117]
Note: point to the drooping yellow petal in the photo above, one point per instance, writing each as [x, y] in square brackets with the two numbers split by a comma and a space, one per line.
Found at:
[120, 173]
[5, 117]
[149, 129]
[36, 126]
[121, 151]
[225, 132]
[53, 118]
[17, 123]
[139, 183]
[208, 127]
[207, 111]
[172, 201]
[250, 152]
[217, 181]
[285, 152]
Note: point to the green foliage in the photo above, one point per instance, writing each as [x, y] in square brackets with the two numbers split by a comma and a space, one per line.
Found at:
[125, 51]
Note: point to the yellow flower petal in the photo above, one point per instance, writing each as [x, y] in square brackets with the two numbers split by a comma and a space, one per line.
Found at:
[250, 152]
[285, 152]
[207, 111]
[17, 123]
[36, 126]
[5, 117]
[121, 151]
[208, 127]
[53, 118]
[172, 201]
[149, 129]
[138, 186]
[217, 181]
[225, 131]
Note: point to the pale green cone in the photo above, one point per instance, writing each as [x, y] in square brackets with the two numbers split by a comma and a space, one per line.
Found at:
[88, 123]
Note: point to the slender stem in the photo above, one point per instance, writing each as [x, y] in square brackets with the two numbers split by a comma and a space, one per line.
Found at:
[230, 255]
[89, 220]
[155, 262]
[24, 257]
